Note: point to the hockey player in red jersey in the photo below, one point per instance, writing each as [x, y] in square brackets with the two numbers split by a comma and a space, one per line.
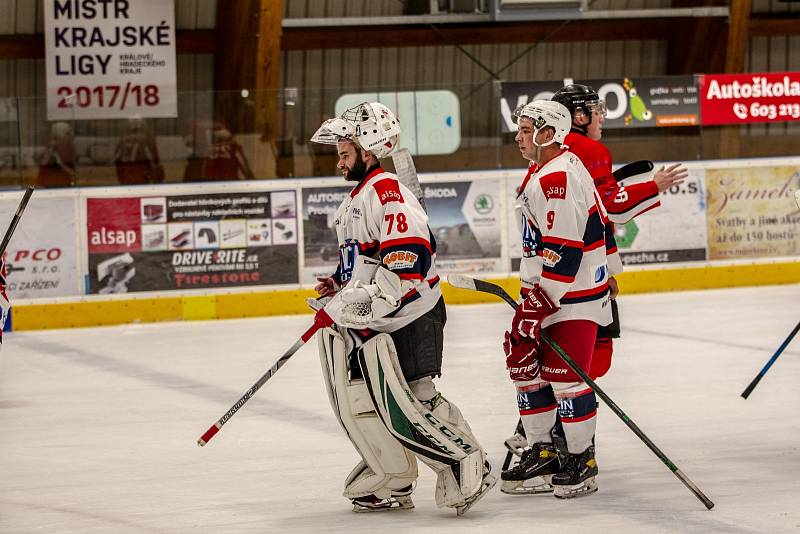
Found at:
[564, 278]
[623, 201]
[383, 351]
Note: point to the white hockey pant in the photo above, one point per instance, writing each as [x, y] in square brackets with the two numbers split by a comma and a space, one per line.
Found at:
[385, 465]
[435, 431]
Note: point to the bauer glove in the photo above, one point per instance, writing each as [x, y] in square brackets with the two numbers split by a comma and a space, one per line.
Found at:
[522, 359]
[531, 312]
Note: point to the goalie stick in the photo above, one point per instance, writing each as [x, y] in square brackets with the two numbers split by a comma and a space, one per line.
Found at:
[407, 174]
[635, 168]
[467, 282]
[15, 220]
[321, 320]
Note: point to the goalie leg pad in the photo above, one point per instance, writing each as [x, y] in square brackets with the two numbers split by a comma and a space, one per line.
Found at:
[434, 430]
[386, 466]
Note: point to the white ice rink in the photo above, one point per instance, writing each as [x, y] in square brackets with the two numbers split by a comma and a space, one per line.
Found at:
[99, 427]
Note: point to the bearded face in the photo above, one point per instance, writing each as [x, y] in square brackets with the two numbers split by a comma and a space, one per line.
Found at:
[351, 162]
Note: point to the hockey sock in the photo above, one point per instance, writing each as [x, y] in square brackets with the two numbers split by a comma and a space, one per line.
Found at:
[578, 413]
[537, 409]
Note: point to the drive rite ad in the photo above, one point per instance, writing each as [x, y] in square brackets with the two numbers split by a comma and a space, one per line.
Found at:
[191, 241]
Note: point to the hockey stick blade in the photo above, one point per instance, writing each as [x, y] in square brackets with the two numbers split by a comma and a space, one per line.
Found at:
[752, 385]
[15, 220]
[636, 168]
[463, 281]
[320, 321]
[467, 282]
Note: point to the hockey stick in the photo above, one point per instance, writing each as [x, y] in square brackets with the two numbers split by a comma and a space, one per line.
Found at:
[633, 169]
[407, 173]
[321, 320]
[15, 220]
[466, 282]
[749, 389]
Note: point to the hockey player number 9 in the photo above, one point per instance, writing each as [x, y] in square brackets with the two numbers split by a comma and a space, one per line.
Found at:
[402, 224]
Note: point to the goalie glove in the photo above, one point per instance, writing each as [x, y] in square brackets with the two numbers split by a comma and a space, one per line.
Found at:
[531, 312]
[359, 305]
[522, 359]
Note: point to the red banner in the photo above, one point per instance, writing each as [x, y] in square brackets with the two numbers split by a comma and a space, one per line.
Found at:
[748, 98]
[114, 225]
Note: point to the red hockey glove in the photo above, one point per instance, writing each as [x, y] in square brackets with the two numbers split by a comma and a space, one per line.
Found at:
[521, 357]
[531, 312]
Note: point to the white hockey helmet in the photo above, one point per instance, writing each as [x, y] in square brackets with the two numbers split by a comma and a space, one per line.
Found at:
[544, 113]
[371, 125]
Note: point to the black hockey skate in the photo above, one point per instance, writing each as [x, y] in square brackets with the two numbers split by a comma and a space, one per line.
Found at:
[489, 480]
[400, 500]
[533, 472]
[576, 477]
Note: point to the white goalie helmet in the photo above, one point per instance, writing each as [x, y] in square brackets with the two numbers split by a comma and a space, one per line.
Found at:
[371, 125]
[544, 113]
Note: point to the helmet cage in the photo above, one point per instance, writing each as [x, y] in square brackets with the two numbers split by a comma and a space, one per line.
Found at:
[370, 125]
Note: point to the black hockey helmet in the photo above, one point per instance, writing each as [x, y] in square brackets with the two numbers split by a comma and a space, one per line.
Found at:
[576, 96]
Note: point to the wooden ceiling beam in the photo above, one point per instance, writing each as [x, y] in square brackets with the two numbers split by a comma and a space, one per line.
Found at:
[31, 46]
[769, 26]
[296, 38]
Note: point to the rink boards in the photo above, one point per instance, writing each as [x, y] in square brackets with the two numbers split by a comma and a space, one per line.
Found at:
[102, 256]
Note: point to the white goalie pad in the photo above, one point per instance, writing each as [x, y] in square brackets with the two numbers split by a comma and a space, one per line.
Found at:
[441, 438]
[386, 465]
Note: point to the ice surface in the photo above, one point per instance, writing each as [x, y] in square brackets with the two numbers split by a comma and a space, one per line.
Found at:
[99, 427]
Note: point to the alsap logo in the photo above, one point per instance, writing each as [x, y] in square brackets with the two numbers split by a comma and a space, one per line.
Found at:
[400, 259]
[554, 185]
[388, 191]
[105, 236]
[550, 257]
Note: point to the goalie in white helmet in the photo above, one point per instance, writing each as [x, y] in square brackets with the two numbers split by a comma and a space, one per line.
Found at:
[565, 293]
[381, 356]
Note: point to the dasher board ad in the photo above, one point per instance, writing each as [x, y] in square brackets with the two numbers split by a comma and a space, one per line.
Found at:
[320, 246]
[672, 232]
[42, 257]
[464, 218]
[110, 59]
[191, 241]
[752, 212]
